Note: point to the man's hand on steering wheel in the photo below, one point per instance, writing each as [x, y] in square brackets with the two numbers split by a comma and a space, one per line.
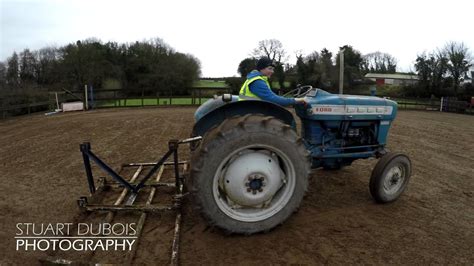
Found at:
[301, 101]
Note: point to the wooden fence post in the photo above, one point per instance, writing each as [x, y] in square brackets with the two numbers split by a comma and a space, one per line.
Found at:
[200, 94]
[28, 105]
[3, 106]
[86, 103]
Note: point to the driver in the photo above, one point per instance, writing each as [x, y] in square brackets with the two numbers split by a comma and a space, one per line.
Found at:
[257, 86]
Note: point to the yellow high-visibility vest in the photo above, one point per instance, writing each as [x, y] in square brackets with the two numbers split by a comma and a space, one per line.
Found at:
[245, 90]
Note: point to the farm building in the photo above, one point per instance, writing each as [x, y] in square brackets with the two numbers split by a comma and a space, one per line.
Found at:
[392, 79]
[468, 76]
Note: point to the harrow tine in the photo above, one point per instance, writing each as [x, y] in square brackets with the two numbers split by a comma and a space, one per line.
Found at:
[131, 199]
[177, 224]
[110, 215]
[141, 221]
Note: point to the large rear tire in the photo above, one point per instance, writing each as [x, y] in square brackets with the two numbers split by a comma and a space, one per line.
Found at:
[249, 174]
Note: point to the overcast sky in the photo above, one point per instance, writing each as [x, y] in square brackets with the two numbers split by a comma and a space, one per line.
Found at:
[222, 33]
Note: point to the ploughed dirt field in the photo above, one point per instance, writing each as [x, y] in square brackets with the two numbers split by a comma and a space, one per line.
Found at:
[42, 176]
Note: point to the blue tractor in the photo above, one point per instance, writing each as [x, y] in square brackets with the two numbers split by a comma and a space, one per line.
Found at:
[250, 171]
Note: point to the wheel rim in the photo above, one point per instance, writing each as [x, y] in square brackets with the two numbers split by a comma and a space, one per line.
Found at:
[253, 194]
[394, 179]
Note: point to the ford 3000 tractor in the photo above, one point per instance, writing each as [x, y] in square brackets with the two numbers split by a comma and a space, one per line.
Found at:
[250, 171]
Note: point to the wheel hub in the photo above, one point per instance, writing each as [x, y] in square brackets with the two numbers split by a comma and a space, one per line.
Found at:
[255, 184]
[252, 178]
[394, 180]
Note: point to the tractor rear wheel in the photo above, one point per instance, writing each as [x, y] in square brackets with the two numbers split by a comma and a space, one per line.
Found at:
[249, 174]
[390, 177]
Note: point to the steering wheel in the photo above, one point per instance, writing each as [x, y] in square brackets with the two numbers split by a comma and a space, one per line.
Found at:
[300, 91]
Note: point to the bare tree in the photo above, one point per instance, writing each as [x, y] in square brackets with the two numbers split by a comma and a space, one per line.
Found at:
[379, 62]
[13, 74]
[459, 61]
[272, 49]
[27, 66]
[47, 59]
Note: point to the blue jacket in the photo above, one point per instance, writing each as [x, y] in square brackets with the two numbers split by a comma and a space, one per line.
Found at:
[260, 88]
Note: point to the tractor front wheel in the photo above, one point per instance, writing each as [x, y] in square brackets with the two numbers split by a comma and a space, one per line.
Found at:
[390, 177]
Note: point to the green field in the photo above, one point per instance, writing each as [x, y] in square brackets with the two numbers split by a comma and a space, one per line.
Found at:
[204, 83]
[148, 102]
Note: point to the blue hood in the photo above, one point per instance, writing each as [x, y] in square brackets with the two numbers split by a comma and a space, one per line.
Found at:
[253, 74]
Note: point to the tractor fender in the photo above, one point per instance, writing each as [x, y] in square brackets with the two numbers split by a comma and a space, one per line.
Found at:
[241, 108]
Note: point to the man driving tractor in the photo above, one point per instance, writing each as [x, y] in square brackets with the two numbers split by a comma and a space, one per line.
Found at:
[257, 86]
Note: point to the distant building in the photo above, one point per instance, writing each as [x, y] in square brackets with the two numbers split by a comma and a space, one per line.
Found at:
[392, 79]
[468, 76]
